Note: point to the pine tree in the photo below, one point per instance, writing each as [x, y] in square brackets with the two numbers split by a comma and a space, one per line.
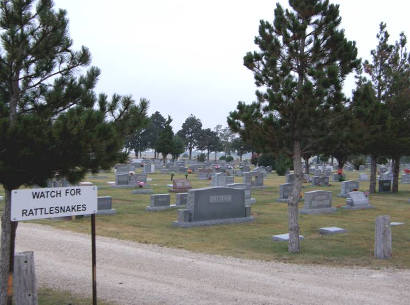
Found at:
[51, 121]
[398, 105]
[378, 69]
[390, 77]
[302, 61]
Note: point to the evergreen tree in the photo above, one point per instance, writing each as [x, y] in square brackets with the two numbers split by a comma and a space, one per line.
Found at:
[138, 141]
[165, 142]
[369, 124]
[390, 77]
[178, 147]
[302, 60]
[50, 120]
[398, 105]
[378, 69]
[340, 140]
[154, 128]
[191, 133]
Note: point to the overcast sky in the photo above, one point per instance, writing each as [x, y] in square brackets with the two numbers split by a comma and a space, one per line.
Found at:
[186, 56]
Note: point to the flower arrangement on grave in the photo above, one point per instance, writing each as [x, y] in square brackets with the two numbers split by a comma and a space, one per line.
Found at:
[140, 184]
[407, 171]
[189, 171]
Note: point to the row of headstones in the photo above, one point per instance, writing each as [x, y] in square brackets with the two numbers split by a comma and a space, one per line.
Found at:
[162, 201]
[319, 201]
[252, 179]
[208, 206]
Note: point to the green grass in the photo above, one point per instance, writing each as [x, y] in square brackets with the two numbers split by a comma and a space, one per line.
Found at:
[52, 297]
[253, 240]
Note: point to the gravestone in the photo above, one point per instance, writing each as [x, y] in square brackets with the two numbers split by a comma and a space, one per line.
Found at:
[159, 202]
[331, 230]
[317, 202]
[238, 172]
[386, 176]
[284, 237]
[363, 177]
[384, 186]
[336, 177]
[405, 179]
[214, 205]
[204, 173]
[284, 192]
[253, 179]
[320, 181]
[182, 169]
[357, 201]
[124, 168]
[382, 239]
[247, 178]
[229, 180]
[290, 178]
[138, 177]
[122, 179]
[147, 167]
[394, 224]
[362, 167]
[307, 178]
[347, 187]
[246, 168]
[104, 206]
[180, 186]
[248, 197]
[219, 179]
[181, 199]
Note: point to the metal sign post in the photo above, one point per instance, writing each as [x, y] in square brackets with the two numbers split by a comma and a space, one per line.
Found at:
[29, 204]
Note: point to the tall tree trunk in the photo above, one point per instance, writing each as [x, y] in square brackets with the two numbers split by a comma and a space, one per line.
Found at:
[332, 160]
[306, 159]
[240, 158]
[190, 153]
[6, 235]
[396, 173]
[373, 173]
[293, 209]
[208, 154]
[215, 156]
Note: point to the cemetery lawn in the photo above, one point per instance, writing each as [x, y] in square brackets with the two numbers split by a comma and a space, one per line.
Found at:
[52, 297]
[254, 240]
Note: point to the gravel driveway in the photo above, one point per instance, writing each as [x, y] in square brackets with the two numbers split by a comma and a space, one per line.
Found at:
[133, 273]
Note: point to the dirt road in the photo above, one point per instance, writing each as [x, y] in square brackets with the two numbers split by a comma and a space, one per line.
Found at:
[132, 273]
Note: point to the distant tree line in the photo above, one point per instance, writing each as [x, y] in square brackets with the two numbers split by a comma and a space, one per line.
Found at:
[157, 134]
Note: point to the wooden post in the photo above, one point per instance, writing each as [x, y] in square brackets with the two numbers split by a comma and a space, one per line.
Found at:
[94, 260]
[382, 238]
[25, 285]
